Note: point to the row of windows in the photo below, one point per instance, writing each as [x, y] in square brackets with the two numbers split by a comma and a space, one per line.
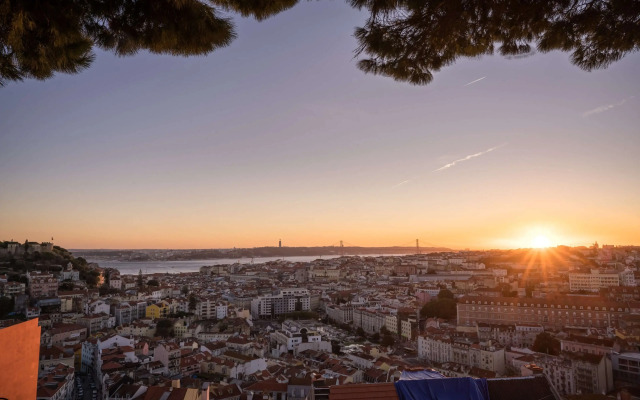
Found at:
[545, 306]
[521, 318]
[533, 312]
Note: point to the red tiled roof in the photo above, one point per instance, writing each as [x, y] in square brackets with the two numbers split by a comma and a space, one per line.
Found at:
[375, 391]
[111, 365]
[223, 392]
[270, 385]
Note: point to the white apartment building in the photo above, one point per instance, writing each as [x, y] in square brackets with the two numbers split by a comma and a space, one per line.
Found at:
[92, 349]
[518, 335]
[442, 348]
[122, 313]
[69, 274]
[208, 308]
[291, 336]
[341, 314]
[10, 289]
[97, 307]
[288, 300]
[407, 326]
[597, 280]
[369, 319]
[391, 323]
[115, 282]
[573, 373]
[435, 348]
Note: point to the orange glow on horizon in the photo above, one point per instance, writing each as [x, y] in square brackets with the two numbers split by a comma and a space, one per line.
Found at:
[206, 229]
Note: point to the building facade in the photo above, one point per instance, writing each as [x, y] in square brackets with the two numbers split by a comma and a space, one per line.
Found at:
[597, 280]
[287, 301]
[42, 284]
[552, 313]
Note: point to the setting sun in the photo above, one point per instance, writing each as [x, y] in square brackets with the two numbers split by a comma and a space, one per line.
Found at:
[540, 242]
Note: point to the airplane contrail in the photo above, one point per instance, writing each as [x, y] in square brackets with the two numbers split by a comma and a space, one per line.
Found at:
[469, 157]
[477, 80]
[401, 183]
[604, 108]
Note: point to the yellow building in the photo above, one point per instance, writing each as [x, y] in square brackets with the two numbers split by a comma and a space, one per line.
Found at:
[77, 356]
[158, 310]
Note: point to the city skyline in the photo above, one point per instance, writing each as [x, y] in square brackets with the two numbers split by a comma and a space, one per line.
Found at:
[280, 136]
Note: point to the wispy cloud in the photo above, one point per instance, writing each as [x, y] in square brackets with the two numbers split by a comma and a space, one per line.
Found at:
[401, 183]
[451, 164]
[476, 81]
[606, 107]
[469, 157]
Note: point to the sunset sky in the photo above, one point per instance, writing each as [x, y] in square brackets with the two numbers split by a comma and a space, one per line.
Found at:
[281, 136]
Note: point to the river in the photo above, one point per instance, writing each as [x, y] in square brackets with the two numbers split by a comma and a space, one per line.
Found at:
[176, 267]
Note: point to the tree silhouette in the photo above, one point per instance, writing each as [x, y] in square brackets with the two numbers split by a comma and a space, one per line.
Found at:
[440, 308]
[6, 306]
[545, 343]
[164, 328]
[445, 294]
[387, 340]
[409, 39]
[193, 302]
[406, 40]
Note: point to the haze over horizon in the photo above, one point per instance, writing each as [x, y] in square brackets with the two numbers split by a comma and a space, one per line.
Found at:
[280, 136]
[407, 246]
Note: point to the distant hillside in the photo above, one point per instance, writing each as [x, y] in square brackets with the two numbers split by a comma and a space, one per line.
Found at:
[203, 254]
[26, 259]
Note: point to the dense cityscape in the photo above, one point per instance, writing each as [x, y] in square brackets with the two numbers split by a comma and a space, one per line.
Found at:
[323, 329]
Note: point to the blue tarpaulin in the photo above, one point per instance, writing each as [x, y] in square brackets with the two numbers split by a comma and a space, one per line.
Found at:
[421, 374]
[443, 389]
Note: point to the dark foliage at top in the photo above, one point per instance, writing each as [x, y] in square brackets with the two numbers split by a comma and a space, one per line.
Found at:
[39, 38]
[406, 40]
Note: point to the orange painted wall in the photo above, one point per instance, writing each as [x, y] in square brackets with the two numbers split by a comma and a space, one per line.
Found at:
[19, 353]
